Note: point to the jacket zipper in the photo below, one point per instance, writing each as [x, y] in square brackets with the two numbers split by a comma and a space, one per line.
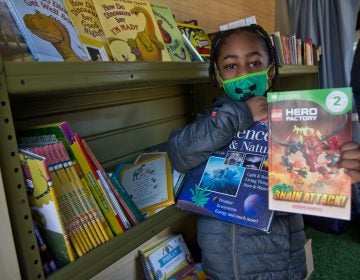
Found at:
[234, 252]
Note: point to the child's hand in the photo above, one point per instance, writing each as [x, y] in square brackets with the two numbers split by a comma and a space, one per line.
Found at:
[258, 107]
[350, 160]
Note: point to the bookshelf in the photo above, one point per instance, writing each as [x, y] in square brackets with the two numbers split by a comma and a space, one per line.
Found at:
[120, 109]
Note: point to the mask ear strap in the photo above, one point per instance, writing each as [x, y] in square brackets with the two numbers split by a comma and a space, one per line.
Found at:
[219, 80]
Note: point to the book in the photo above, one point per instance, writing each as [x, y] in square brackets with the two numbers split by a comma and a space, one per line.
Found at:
[149, 183]
[307, 129]
[232, 184]
[44, 206]
[48, 30]
[12, 44]
[193, 271]
[61, 131]
[88, 26]
[131, 30]
[198, 38]
[166, 257]
[171, 34]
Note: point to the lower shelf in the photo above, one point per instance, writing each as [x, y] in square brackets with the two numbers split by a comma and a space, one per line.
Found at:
[111, 251]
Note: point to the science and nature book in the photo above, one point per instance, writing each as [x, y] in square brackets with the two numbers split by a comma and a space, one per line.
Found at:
[131, 30]
[232, 184]
[12, 44]
[307, 129]
[170, 33]
[88, 26]
[48, 30]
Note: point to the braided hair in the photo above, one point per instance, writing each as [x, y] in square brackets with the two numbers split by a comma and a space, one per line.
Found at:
[219, 39]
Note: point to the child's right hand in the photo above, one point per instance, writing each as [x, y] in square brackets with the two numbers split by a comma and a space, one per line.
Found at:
[258, 107]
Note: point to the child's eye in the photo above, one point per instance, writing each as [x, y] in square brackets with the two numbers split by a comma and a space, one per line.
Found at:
[230, 66]
[255, 63]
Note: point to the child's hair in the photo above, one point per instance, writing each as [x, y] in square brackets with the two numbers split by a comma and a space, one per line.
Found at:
[219, 39]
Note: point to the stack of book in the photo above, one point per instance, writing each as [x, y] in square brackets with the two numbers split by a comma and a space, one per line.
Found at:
[75, 204]
[102, 30]
[293, 50]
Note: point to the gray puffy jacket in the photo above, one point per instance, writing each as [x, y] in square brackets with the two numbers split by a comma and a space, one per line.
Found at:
[231, 251]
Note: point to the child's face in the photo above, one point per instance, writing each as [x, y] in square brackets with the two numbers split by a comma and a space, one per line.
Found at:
[242, 53]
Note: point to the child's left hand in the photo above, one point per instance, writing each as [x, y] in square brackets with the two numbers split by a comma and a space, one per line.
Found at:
[350, 160]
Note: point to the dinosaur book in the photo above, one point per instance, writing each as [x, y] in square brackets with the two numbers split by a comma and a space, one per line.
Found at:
[307, 129]
[131, 30]
[170, 33]
[48, 30]
[232, 184]
[88, 26]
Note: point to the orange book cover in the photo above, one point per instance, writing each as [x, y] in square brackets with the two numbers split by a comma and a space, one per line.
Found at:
[307, 129]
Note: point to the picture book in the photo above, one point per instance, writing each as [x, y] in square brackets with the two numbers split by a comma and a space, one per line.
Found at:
[131, 30]
[307, 129]
[149, 183]
[45, 208]
[170, 33]
[193, 271]
[166, 257]
[88, 26]
[232, 184]
[12, 44]
[198, 38]
[48, 30]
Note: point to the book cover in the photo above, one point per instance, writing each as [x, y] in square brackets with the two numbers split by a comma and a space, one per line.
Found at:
[171, 34]
[167, 257]
[88, 26]
[12, 44]
[193, 271]
[48, 30]
[198, 38]
[232, 184]
[307, 128]
[44, 207]
[131, 30]
[149, 183]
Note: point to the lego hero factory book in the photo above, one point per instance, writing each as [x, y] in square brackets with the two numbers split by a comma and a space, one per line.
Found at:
[307, 129]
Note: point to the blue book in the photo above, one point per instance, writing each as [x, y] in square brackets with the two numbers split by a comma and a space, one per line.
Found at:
[232, 185]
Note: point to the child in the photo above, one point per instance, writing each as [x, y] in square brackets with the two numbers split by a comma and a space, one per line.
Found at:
[230, 251]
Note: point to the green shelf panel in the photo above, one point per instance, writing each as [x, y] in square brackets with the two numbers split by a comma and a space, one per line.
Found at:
[66, 77]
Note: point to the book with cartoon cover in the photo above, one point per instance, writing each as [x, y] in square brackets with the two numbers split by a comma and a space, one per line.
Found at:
[307, 129]
[232, 184]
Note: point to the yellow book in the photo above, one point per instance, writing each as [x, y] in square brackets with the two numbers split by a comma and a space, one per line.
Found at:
[96, 190]
[131, 30]
[88, 26]
[45, 208]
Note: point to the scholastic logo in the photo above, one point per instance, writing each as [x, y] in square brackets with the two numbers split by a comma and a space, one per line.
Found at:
[277, 115]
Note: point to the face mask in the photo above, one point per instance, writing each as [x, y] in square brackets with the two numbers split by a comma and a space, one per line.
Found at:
[244, 87]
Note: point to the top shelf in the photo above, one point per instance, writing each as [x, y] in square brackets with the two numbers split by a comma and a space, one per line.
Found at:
[67, 77]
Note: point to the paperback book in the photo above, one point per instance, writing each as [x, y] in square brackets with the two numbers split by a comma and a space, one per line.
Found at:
[48, 30]
[170, 33]
[88, 26]
[307, 129]
[232, 184]
[131, 30]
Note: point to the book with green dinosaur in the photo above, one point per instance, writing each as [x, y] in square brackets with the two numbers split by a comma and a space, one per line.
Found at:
[88, 26]
[48, 30]
[131, 30]
[170, 32]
